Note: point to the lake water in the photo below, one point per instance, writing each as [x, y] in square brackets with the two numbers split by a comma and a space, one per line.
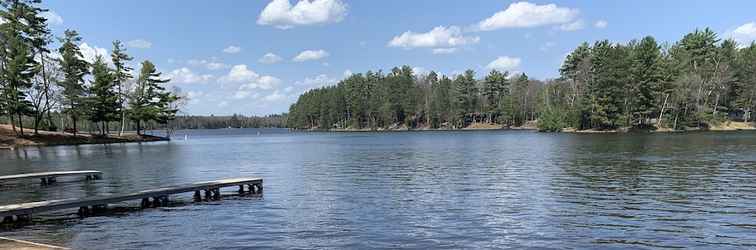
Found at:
[424, 190]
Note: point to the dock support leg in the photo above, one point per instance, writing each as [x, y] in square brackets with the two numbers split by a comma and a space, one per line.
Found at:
[100, 208]
[208, 195]
[83, 211]
[145, 202]
[197, 196]
[241, 189]
[252, 189]
[50, 180]
[216, 194]
[8, 219]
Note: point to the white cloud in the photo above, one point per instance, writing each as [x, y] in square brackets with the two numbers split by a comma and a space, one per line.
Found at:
[185, 75]
[308, 55]
[419, 71]
[240, 74]
[139, 43]
[211, 64]
[601, 24]
[440, 51]
[524, 15]
[273, 97]
[232, 49]
[194, 96]
[282, 15]
[317, 81]
[348, 73]
[744, 34]
[52, 18]
[504, 63]
[438, 37]
[573, 26]
[223, 104]
[90, 53]
[270, 58]
[241, 94]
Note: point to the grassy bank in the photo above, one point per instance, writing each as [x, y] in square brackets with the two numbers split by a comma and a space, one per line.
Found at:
[9, 139]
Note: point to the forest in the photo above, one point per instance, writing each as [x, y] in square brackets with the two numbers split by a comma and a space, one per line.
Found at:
[47, 84]
[694, 83]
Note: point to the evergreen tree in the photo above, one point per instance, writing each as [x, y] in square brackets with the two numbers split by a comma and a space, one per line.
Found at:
[122, 74]
[104, 101]
[150, 101]
[74, 69]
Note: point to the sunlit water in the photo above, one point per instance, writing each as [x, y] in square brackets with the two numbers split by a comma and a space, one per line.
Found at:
[427, 190]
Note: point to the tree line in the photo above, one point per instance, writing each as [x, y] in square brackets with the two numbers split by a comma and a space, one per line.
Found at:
[233, 121]
[38, 82]
[696, 82]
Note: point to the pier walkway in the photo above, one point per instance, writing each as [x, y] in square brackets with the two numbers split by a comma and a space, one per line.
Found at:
[150, 198]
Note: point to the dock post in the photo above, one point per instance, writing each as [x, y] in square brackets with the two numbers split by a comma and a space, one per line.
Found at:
[145, 202]
[44, 181]
[197, 196]
[8, 219]
[241, 189]
[208, 195]
[217, 195]
[83, 211]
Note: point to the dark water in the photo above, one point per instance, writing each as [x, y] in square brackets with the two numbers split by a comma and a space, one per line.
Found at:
[428, 190]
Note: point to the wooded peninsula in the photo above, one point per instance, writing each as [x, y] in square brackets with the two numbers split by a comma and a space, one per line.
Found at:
[59, 89]
[699, 82]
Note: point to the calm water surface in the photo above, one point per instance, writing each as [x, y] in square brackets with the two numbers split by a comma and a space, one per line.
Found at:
[427, 190]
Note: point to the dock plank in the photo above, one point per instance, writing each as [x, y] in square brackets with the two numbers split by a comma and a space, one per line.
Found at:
[49, 175]
[52, 205]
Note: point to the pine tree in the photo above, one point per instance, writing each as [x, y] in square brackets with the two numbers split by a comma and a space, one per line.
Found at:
[122, 73]
[150, 101]
[74, 69]
[19, 66]
[103, 101]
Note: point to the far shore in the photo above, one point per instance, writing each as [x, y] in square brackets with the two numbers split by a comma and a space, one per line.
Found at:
[9, 140]
[724, 127]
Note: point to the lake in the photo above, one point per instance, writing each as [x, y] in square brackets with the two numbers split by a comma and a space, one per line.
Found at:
[418, 190]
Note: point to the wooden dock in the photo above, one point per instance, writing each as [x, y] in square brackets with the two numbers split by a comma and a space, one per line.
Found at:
[50, 177]
[150, 198]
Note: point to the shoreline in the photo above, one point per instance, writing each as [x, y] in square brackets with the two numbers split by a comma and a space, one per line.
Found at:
[10, 141]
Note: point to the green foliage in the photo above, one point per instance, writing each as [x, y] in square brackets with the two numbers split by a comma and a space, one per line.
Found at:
[150, 101]
[103, 101]
[553, 120]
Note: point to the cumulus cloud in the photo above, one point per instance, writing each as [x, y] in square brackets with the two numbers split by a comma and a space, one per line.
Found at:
[601, 24]
[504, 63]
[317, 81]
[273, 97]
[187, 76]
[348, 73]
[249, 80]
[211, 64]
[270, 58]
[139, 43]
[232, 49]
[52, 18]
[744, 34]
[281, 14]
[573, 26]
[309, 55]
[90, 53]
[525, 15]
[440, 51]
[438, 37]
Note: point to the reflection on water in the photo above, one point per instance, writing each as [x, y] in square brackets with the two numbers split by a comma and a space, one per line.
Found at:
[412, 190]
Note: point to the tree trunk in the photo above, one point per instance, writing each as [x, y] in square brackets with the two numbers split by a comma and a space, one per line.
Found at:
[661, 113]
[21, 123]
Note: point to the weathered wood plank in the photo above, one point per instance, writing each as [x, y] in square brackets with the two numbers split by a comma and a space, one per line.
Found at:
[50, 175]
[51, 205]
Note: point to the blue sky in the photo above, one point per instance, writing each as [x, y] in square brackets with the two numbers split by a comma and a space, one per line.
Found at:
[215, 50]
